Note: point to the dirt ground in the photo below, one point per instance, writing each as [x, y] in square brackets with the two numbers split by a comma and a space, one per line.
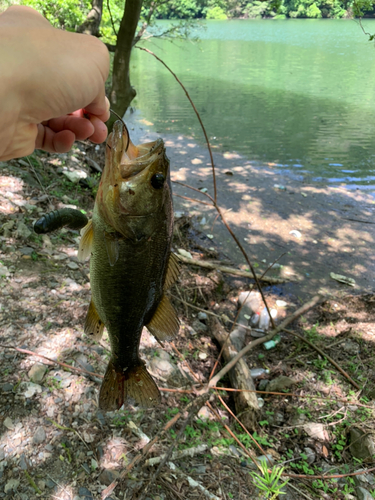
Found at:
[54, 441]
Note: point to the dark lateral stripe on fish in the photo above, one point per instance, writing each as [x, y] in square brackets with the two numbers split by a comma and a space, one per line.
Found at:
[73, 219]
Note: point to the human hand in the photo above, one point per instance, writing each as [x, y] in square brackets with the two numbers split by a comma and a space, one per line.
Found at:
[51, 86]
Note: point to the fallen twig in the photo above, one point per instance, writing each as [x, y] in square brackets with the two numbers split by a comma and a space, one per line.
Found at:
[144, 451]
[229, 270]
[52, 361]
[177, 455]
[322, 353]
[193, 407]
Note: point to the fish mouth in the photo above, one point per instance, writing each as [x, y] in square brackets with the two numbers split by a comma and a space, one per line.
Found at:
[129, 159]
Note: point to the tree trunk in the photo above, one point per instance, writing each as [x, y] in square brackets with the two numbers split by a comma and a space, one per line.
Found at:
[122, 93]
[91, 25]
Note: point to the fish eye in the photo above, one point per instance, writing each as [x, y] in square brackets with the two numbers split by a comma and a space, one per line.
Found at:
[157, 181]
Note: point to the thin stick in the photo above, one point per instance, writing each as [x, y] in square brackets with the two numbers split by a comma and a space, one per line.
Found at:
[110, 15]
[196, 112]
[229, 270]
[144, 451]
[241, 424]
[52, 361]
[309, 305]
[194, 407]
[322, 353]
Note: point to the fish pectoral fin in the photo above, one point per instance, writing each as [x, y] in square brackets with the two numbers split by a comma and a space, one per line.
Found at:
[164, 324]
[85, 245]
[130, 384]
[112, 247]
[173, 271]
[93, 324]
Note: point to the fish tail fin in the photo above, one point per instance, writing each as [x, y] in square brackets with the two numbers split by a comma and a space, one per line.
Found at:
[134, 383]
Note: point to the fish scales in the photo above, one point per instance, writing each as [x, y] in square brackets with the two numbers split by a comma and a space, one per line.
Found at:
[131, 265]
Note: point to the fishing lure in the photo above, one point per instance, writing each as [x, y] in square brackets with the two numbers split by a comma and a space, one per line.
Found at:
[73, 219]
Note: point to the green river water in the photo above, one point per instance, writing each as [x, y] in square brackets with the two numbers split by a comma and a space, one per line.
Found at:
[296, 93]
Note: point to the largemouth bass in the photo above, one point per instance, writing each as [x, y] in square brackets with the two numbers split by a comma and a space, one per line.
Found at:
[131, 264]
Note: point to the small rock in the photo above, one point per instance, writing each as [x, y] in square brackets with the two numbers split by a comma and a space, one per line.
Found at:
[108, 476]
[279, 384]
[205, 413]
[202, 316]
[23, 231]
[310, 455]
[363, 494]
[162, 367]
[26, 250]
[11, 485]
[362, 444]
[316, 431]
[8, 424]
[4, 271]
[202, 355]
[351, 347]
[39, 436]
[75, 175]
[281, 303]
[37, 372]
[276, 419]
[31, 389]
[366, 480]
[73, 265]
[23, 462]
[199, 327]
[7, 228]
[262, 386]
[84, 492]
[41, 485]
[50, 484]
[7, 387]
[184, 253]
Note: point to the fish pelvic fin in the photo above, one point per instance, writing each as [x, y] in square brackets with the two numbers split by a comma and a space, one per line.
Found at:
[85, 245]
[93, 324]
[173, 271]
[164, 324]
[120, 385]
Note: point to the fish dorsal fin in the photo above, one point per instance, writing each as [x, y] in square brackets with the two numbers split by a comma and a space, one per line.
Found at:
[173, 271]
[112, 247]
[164, 323]
[93, 324]
[85, 245]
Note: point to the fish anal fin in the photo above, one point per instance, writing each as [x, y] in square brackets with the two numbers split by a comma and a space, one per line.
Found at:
[85, 245]
[173, 271]
[130, 384]
[93, 324]
[112, 247]
[164, 324]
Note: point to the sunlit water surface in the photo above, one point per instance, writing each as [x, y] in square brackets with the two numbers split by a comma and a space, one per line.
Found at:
[296, 93]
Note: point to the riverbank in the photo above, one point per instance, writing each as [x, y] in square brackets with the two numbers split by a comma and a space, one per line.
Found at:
[311, 229]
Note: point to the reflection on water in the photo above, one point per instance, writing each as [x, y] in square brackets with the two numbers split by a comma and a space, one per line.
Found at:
[296, 93]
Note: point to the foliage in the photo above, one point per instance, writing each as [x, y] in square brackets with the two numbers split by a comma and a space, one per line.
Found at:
[66, 14]
[269, 482]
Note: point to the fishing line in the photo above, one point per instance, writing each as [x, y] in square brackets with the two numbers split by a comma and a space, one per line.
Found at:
[126, 128]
